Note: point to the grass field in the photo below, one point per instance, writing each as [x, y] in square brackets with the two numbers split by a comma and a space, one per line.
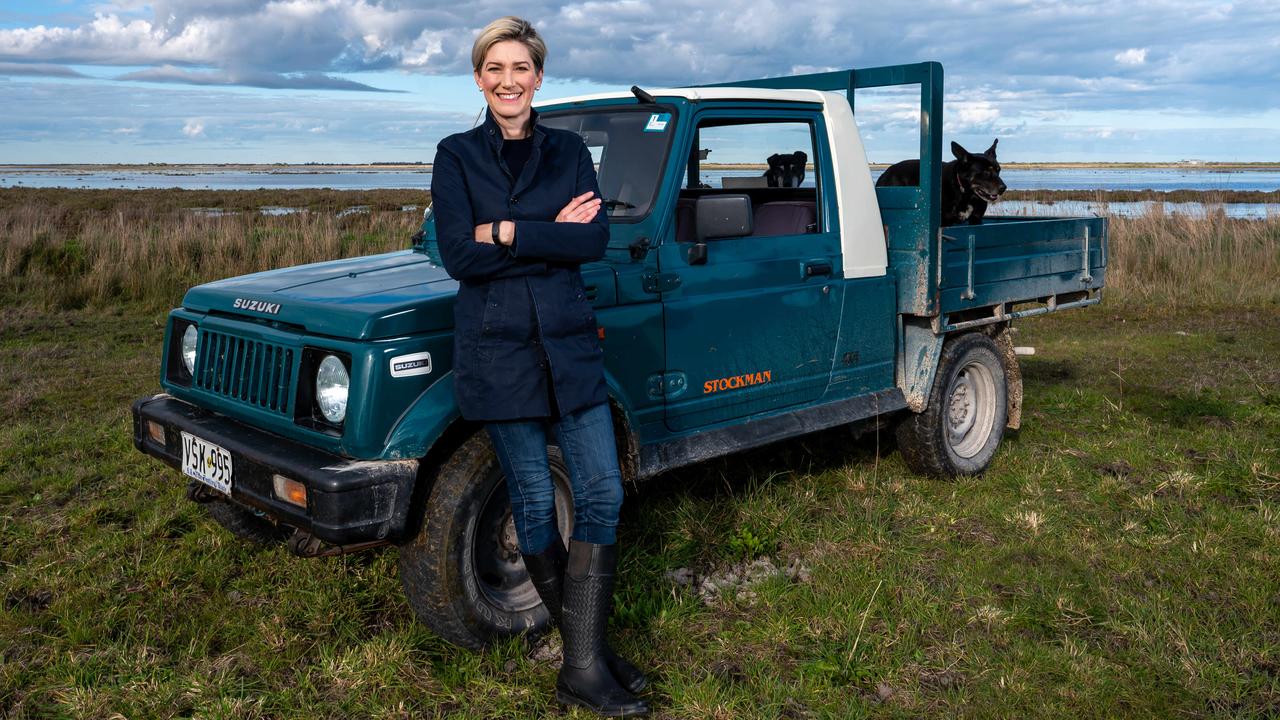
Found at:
[1119, 559]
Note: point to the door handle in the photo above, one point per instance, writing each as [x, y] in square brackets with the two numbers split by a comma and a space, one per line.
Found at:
[814, 269]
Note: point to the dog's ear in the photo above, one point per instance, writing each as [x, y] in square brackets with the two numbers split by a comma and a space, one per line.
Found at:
[991, 151]
[960, 153]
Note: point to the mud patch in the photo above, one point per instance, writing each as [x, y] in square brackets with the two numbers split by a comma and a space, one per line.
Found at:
[1117, 468]
[29, 600]
[739, 578]
[547, 650]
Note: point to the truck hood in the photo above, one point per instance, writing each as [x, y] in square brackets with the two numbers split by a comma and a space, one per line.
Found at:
[377, 296]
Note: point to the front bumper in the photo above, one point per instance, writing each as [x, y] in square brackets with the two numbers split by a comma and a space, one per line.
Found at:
[348, 501]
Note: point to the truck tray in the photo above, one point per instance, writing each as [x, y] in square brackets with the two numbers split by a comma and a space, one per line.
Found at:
[988, 268]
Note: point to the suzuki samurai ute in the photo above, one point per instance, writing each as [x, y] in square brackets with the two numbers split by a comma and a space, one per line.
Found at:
[316, 402]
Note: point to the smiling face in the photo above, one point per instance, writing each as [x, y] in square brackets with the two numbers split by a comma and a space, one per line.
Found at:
[508, 78]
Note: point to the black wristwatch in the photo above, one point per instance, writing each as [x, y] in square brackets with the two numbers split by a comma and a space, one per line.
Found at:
[497, 225]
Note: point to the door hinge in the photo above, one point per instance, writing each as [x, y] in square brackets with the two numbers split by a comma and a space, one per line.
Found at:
[657, 282]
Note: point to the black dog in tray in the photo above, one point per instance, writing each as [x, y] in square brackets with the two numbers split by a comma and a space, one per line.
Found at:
[969, 183]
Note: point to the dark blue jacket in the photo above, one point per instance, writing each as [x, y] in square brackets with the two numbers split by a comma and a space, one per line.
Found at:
[522, 320]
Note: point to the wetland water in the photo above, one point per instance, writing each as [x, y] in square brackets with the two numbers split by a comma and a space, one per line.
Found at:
[283, 179]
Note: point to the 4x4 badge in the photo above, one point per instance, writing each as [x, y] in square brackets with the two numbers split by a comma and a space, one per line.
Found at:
[256, 306]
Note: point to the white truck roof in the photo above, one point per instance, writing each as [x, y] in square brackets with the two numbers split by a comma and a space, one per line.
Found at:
[707, 93]
[863, 249]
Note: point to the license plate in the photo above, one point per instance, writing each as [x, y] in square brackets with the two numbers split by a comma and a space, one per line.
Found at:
[206, 462]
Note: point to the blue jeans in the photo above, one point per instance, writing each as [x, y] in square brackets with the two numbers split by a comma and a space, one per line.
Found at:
[586, 441]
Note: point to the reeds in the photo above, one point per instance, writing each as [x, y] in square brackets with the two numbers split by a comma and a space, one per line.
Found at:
[76, 248]
[1209, 261]
[69, 249]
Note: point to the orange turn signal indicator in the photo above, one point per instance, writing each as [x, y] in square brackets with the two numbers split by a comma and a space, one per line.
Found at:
[290, 491]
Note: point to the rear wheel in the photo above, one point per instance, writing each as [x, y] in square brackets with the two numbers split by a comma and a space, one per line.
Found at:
[463, 574]
[962, 425]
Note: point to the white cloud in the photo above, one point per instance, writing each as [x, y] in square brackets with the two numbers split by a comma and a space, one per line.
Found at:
[664, 42]
[1009, 67]
[1132, 56]
[38, 69]
[193, 129]
[69, 122]
[979, 114]
[426, 46]
[274, 81]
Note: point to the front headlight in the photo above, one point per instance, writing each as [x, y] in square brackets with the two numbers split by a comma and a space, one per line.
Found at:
[189, 337]
[332, 383]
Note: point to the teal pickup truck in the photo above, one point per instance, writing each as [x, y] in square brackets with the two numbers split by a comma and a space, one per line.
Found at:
[736, 308]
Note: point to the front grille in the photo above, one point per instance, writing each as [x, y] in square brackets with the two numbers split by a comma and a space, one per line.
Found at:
[253, 372]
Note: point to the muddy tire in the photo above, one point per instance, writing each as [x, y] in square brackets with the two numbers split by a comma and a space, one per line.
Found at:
[462, 573]
[961, 427]
[245, 524]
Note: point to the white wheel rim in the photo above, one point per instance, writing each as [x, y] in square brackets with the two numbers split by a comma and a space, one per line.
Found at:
[971, 410]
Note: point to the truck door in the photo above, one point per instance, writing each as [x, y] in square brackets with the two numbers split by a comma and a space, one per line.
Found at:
[752, 327]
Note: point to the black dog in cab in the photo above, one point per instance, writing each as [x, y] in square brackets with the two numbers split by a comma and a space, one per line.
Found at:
[969, 183]
[786, 169]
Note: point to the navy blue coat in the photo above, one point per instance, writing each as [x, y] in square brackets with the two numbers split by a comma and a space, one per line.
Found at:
[522, 320]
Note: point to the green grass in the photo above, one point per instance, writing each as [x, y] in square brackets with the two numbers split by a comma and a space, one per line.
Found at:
[1119, 559]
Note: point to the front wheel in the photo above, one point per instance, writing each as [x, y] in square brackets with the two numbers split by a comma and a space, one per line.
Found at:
[463, 574]
[962, 425]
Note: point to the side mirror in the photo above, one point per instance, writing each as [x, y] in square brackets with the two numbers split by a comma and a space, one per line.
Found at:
[723, 216]
[426, 231]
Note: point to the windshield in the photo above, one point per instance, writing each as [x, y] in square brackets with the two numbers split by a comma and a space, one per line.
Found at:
[629, 147]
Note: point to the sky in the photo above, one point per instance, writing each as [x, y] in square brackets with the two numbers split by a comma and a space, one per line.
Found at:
[356, 81]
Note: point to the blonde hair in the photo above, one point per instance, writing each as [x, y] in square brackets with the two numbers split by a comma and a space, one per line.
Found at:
[509, 28]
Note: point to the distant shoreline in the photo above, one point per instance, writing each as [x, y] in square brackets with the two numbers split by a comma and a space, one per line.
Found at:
[405, 199]
[184, 169]
[325, 168]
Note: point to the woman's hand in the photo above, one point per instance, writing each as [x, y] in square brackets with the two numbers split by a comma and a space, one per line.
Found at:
[581, 209]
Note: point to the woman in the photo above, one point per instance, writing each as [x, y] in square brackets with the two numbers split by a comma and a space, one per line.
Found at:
[517, 210]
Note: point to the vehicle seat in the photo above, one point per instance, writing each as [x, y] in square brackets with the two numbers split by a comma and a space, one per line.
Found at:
[785, 217]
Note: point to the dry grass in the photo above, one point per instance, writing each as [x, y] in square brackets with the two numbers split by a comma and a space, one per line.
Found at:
[77, 248]
[1215, 261]
[70, 249]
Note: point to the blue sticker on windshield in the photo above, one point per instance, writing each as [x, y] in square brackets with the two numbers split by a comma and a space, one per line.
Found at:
[657, 122]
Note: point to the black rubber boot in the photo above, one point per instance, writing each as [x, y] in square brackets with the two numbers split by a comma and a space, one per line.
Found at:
[546, 570]
[585, 678]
